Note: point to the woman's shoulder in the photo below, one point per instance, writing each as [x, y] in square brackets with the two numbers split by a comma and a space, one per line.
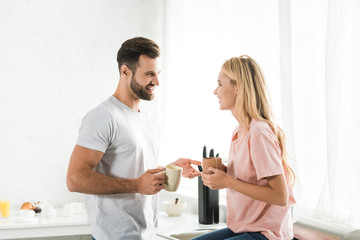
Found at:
[258, 127]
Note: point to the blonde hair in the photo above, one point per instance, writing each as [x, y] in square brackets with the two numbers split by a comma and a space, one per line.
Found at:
[252, 101]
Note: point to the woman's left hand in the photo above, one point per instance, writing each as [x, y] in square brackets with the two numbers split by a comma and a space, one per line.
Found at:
[188, 170]
[215, 178]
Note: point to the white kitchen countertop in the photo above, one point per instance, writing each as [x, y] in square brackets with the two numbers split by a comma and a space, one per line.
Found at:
[78, 224]
[41, 226]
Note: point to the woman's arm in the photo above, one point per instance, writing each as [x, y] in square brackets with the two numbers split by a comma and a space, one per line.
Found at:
[188, 170]
[275, 192]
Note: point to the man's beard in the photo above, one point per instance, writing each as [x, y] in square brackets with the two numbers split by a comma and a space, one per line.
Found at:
[141, 91]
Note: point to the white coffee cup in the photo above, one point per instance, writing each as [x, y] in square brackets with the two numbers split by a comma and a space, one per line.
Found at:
[50, 212]
[173, 176]
[68, 210]
[78, 207]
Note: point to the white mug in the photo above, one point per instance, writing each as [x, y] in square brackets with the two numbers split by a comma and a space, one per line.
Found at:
[78, 207]
[173, 176]
[51, 212]
[68, 210]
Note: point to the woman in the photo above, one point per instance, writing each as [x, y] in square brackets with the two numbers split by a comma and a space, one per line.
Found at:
[258, 178]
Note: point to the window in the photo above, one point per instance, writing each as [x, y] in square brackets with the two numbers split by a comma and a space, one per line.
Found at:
[201, 35]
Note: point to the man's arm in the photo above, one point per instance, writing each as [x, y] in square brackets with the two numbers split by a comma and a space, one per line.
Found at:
[82, 178]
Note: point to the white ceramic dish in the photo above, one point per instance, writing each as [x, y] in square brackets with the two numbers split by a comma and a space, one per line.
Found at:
[173, 209]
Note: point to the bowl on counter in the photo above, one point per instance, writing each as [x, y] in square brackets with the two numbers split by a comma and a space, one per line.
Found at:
[26, 216]
[173, 208]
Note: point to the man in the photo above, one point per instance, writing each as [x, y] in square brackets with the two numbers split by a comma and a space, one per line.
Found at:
[115, 158]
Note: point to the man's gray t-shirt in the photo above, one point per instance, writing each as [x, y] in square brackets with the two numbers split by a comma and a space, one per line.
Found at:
[128, 140]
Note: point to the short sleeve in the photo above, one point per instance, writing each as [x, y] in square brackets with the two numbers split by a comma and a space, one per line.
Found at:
[266, 155]
[97, 130]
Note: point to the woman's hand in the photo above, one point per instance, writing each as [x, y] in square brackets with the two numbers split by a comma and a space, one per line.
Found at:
[223, 168]
[188, 170]
[216, 179]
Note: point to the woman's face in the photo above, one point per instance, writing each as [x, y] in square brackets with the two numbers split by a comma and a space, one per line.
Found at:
[226, 92]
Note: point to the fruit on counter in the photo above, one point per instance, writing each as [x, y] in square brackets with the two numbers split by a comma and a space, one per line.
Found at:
[36, 207]
[27, 206]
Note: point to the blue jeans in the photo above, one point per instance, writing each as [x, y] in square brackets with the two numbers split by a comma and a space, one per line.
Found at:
[227, 234]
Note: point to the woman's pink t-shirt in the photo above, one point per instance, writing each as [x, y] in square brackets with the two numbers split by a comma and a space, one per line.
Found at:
[253, 157]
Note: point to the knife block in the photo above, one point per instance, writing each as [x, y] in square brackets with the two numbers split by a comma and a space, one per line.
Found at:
[208, 204]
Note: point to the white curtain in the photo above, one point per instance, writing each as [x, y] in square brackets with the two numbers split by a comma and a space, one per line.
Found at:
[325, 82]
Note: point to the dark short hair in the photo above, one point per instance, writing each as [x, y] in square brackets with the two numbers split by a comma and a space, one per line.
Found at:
[131, 50]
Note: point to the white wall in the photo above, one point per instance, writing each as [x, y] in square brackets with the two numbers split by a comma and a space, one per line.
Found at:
[57, 61]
